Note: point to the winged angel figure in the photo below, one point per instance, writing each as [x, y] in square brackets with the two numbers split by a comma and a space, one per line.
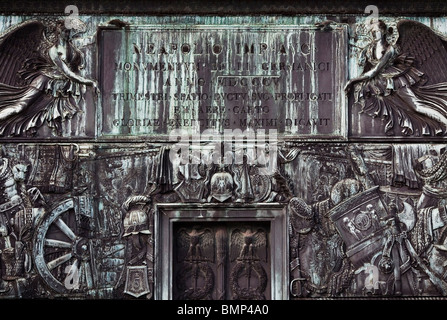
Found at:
[405, 82]
[39, 76]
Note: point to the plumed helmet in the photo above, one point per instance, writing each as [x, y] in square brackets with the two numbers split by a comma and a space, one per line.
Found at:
[136, 219]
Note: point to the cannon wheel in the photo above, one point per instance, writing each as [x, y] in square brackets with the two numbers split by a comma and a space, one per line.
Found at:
[62, 258]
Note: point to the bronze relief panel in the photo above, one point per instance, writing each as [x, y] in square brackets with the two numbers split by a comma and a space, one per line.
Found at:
[224, 160]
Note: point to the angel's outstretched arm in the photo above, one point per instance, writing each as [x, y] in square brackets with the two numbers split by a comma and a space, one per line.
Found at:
[84, 41]
[65, 69]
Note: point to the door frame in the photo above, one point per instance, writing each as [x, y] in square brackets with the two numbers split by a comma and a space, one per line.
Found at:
[166, 214]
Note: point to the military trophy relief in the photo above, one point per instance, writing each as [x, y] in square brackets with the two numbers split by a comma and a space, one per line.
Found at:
[235, 178]
[373, 235]
[50, 244]
[62, 233]
[365, 220]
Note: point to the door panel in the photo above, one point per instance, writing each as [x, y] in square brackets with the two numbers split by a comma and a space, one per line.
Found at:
[221, 260]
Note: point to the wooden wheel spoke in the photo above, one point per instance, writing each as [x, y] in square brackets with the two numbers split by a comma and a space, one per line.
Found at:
[58, 261]
[57, 244]
[65, 229]
[86, 270]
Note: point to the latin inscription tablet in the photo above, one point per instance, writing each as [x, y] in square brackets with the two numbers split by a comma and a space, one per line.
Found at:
[155, 79]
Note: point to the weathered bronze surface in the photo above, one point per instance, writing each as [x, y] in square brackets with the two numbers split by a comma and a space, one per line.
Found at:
[156, 79]
[223, 157]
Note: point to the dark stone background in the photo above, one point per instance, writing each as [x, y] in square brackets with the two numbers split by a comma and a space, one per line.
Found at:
[225, 7]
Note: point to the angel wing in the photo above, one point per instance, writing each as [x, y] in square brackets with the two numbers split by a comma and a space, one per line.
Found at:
[19, 45]
[428, 48]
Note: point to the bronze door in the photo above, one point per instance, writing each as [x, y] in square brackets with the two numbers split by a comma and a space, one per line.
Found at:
[221, 261]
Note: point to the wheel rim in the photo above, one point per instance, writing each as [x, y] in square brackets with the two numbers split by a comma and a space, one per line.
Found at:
[63, 261]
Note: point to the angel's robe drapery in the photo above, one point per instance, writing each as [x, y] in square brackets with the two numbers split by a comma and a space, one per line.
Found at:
[46, 100]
